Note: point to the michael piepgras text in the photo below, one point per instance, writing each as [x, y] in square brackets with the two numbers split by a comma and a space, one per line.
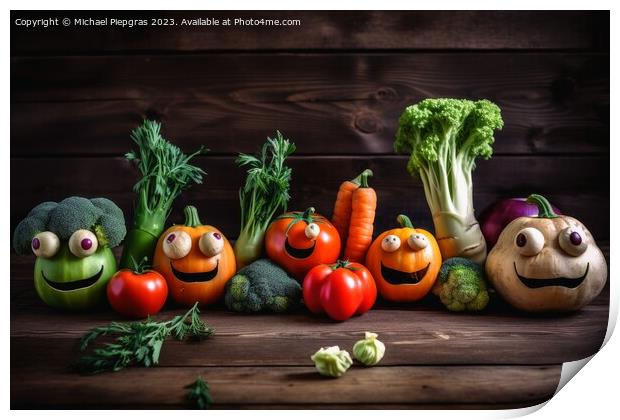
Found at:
[131, 23]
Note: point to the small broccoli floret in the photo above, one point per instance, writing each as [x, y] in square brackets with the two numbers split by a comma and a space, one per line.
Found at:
[110, 227]
[262, 287]
[239, 287]
[35, 222]
[72, 214]
[98, 215]
[42, 211]
[279, 304]
[461, 285]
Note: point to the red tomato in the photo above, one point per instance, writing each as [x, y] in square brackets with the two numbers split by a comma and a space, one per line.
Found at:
[298, 241]
[341, 290]
[369, 287]
[137, 295]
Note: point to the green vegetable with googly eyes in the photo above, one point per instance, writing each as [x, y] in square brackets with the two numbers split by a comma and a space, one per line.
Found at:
[369, 351]
[331, 361]
[73, 242]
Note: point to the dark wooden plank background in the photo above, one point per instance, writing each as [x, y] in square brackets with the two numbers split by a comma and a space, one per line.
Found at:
[335, 85]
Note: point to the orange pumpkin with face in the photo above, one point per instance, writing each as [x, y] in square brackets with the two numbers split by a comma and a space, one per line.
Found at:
[196, 260]
[404, 262]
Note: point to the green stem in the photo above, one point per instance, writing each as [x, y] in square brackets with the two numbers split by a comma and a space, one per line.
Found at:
[191, 217]
[138, 245]
[343, 264]
[362, 179]
[152, 222]
[307, 216]
[249, 246]
[139, 267]
[545, 210]
[404, 221]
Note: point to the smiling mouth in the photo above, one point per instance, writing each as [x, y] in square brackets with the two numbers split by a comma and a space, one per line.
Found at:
[402, 277]
[558, 281]
[73, 285]
[299, 253]
[195, 277]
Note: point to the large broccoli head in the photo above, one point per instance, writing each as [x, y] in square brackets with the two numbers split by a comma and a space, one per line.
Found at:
[436, 130]
[98, 215]
[262, 287]
[461, 285]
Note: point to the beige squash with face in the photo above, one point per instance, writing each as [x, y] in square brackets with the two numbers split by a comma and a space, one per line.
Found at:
[548, 263]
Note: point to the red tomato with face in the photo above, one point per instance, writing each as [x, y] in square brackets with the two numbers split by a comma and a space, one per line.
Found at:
[341, 290]
[298, 241]
[137, 295]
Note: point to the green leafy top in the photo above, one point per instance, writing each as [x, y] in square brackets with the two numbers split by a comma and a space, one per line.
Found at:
[448, 130]
[166, 170]
[199, 394]
[138, 343]
[267, 183]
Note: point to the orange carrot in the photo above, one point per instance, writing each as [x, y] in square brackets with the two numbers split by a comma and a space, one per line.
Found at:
[363, 206]
[342, 207]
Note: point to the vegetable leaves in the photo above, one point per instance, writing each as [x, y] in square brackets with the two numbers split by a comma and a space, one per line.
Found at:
[266, 192]
[138, 343]
[199, 394]
[166, 172]
[165, 169]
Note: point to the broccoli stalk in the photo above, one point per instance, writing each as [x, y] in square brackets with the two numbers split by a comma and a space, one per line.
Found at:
[444, 137]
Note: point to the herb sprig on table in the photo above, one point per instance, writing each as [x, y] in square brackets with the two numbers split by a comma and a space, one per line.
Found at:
[138, 343]
[199, 394]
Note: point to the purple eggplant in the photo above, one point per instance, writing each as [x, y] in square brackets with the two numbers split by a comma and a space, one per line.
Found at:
[498, 215]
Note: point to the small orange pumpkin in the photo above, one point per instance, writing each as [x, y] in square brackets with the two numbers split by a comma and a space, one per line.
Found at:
[404, 262]
[196, 260]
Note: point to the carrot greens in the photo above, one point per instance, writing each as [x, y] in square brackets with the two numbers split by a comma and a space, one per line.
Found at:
[264, 195]
[166, 172]
[137, 343]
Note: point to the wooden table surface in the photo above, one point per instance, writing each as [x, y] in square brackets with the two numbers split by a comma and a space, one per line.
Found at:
[434, 359]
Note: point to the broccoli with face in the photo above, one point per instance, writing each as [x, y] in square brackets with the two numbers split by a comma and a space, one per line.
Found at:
[461, 285]
[72, 241]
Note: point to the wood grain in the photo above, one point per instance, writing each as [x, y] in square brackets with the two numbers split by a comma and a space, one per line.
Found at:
[421, 333]
[413, 335]
[351, 30]
[577, 185]
[56, 387]
[326, 103]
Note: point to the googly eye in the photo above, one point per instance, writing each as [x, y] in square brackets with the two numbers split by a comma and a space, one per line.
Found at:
[573, 241]
[211, 244]
[417, 241]
[45, 244]
[177, 244]
[390, 243]
[83, 243]
[312, 231]
[529, 241]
